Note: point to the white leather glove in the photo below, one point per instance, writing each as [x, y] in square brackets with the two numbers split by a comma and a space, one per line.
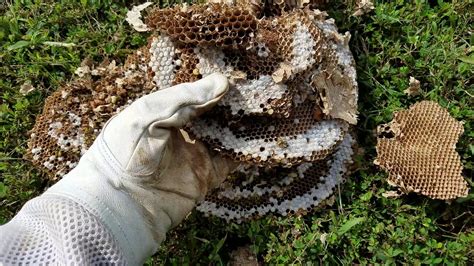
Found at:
[140, 175]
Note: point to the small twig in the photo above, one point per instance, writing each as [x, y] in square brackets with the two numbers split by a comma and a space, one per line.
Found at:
[341, 210]
[470, 95]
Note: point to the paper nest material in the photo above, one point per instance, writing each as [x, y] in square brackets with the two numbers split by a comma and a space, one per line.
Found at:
[286, 118]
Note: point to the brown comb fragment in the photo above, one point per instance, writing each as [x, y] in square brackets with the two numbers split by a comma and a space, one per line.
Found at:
[73, 115]
[417, 149]
[205, 25]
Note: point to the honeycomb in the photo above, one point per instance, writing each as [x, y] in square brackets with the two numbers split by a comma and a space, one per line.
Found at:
[279, 190]
[417, 149]
[286, 118]
[271, 142]
[216, 25]
[73, 116]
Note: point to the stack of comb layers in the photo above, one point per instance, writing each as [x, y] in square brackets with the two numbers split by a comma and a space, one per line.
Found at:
[286, 118]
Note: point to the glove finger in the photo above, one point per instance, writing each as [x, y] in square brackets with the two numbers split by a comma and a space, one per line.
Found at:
[175, 106]
[137, 136]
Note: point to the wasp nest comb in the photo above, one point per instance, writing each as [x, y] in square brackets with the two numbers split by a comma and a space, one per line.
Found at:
[417, 149]
[286, 118]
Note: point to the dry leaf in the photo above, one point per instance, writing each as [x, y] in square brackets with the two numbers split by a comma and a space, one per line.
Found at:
[323, 238]
[414, 87]
[26, 88]
[363, 7]
[331, 200]
[391, 194]
[60, 44]
[243, 256]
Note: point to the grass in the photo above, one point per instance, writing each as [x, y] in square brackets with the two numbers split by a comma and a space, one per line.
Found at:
[429, 40]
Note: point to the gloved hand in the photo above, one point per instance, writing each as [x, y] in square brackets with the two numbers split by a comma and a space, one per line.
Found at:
[140, 175]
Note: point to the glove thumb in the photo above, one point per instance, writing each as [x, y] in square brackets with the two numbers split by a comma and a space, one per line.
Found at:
[137, 136]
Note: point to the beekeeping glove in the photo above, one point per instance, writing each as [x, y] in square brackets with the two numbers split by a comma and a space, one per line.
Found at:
[140, 178]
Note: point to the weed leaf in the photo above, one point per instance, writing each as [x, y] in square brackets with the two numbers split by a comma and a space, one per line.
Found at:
[18, 45]
[3, 190]
[349, 224]
[467, 59]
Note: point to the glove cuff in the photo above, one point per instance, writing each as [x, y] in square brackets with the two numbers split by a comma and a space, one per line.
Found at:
[100, 191]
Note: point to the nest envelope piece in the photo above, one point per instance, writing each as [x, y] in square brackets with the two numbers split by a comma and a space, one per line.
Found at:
[286, 118]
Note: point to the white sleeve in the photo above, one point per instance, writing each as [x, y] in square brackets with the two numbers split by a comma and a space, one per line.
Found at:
[54, 230]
